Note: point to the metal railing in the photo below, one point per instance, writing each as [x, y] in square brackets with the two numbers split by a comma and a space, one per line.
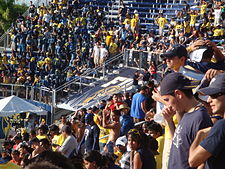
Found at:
[141, 59]
[40, 94]
[88, 78]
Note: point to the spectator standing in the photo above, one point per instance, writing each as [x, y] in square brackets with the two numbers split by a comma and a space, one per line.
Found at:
[208, 145]
[138, 106]
[96, 54]
[141, 156]
[126, 120]
[192, 116]
[161, 21]
[91, 134]
[114, 125]
[70, 143]
[103, 54]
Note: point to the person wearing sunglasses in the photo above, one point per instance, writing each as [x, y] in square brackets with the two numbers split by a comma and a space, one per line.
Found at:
[208, 145]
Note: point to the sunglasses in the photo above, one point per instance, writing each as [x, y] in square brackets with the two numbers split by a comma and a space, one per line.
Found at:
[135, 131]
[214, 96]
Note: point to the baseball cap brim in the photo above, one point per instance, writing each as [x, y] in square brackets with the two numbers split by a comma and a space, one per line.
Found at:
[209, 91]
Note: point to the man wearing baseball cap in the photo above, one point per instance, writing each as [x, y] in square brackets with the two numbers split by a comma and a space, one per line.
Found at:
[175, 57]
[176, 91]
[208, 145]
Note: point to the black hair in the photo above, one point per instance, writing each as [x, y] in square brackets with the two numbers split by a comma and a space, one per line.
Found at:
[54, 128]
[95, 156]
[55, 158]
[116, 112]
[35, 140]
[188, 92]
[153, 144]
[155, 127]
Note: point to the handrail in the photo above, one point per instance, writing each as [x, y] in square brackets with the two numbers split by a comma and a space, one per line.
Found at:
[88, 72]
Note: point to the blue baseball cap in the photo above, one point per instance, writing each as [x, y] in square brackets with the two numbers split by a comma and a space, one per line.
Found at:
[89, 117]
[176, 50]
[174, 81]
[217, 85]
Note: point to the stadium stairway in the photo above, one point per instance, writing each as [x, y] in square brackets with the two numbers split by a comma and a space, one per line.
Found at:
[148, 10]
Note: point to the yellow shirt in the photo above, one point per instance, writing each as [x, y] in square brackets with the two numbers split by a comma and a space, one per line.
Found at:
[218, 32]
[203, 9]
[113, 48]
[167, 133]
[193, 19]
[133, 23]
[108, 39]
[161, 21]
[103, 132]
[58, 139]
[178, 27]
[126, 21]
[158, 158]
[41, 137]
[187, 27]
[5, 60]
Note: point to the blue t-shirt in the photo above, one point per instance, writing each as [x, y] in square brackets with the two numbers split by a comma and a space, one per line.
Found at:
[91, 138]
[215, 144]
[184, 135]
[126, 124]
[136, 110]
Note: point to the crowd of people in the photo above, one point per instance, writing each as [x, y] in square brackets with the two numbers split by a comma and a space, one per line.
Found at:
[176, 123]
[163, 126]
[58, 41]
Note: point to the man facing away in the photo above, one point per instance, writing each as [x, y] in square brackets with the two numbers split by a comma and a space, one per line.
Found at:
[176, 91]
[138, 106]
[208, 145]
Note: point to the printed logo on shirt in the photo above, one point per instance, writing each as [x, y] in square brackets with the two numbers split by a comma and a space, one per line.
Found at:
[177, 141]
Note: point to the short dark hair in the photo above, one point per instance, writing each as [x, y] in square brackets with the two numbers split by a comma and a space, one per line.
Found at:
[95, 156]
[116, 112]
[155, 127]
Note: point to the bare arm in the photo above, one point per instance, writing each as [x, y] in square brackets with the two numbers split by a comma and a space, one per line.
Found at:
[107, 125]
[137, 164]
[157, 97]
[143, 106]
[217, 52]
[197, 154]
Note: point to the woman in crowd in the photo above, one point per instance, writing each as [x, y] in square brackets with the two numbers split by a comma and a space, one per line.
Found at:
[141, 155]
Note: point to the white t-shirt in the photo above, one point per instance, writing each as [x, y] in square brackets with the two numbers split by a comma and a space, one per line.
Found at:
[96, 51]
[103, 52]
[69, 145]
[217, 13]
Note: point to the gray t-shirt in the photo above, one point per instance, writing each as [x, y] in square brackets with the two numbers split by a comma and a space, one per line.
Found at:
[184, 135]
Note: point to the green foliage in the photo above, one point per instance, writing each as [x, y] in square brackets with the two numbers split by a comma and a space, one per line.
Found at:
[9, 13]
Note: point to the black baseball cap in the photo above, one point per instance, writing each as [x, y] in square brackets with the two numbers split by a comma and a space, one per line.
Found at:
[174, 81]
[176, 50]
[217, 85]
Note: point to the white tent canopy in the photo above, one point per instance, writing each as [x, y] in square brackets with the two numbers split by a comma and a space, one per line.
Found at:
[13, 105]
